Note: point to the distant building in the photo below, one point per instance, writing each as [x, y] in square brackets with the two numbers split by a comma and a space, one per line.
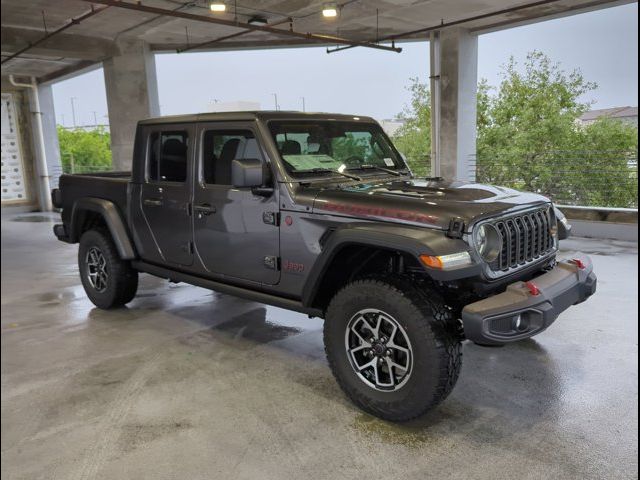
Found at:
[391, 126]
[623, 114]
[235, 106]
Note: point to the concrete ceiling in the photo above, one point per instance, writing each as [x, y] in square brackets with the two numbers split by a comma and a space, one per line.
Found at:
[94, 39]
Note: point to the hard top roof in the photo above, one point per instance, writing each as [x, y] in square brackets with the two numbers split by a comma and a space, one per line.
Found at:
[253, 115]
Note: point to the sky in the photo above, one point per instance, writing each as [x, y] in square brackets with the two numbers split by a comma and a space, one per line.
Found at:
[603, 45]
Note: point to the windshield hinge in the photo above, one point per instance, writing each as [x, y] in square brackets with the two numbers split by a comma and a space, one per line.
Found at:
[456, 228]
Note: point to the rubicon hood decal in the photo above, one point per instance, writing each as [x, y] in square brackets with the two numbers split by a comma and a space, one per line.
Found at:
[378, 212]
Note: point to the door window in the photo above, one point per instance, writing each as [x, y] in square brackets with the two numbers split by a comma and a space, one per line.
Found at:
[168, 156]
[220, 148]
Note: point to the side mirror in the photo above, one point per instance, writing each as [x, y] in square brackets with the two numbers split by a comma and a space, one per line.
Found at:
[250, 173]
[247, 172]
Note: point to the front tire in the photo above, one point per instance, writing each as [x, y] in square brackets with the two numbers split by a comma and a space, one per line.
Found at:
[108, 281]
[394, 349]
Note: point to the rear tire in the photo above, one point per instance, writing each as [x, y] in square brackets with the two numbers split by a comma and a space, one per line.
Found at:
[108, 281]
[417, 347]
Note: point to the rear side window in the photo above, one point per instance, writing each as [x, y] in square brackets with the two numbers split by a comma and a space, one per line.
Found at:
[168, 156]
[220, 148]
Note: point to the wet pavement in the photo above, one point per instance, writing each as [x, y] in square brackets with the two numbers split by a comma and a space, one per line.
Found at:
[189, 384]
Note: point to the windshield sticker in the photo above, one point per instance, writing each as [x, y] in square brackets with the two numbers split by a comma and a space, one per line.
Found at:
[389, 162]
[308, 162]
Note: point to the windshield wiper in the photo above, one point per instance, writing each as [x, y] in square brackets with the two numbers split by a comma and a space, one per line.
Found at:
[328, 170]
[375, 167]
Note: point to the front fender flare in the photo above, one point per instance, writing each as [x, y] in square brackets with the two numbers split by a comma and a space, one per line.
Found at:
[113, 219]
[410, 240]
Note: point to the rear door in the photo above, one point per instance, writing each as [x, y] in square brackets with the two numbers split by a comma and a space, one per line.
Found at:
[166, 192]
[236, 232]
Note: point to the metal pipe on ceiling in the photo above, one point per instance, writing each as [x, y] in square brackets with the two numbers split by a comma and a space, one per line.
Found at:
[310, 37]
[72, 22]
[454, 23]
[226, 37]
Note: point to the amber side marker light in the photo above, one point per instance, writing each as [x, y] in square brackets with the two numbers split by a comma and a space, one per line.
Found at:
[445, 262]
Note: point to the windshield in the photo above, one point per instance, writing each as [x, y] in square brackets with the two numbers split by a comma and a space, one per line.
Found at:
[325, 146]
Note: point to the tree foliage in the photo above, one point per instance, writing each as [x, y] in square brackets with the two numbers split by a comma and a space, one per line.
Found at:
[84, 151]
[529, 136]
[413, 138]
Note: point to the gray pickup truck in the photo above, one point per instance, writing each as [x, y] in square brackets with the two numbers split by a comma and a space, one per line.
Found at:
[319, 213]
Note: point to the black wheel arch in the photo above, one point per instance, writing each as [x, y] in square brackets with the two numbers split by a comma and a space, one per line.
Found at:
[85, 210]
[363, 242]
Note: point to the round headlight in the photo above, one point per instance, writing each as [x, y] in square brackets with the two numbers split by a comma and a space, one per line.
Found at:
[487, 241]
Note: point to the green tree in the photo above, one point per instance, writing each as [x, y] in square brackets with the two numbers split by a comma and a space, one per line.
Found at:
[529, 136]
[84, 151]
[413, 139]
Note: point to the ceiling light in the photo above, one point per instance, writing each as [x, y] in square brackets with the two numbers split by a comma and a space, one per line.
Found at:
[330, 10]
[217, 6]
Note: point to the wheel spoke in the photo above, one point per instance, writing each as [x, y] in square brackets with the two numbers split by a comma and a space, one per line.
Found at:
[362, 340]
[358, 348]
[395, 346]
[390, 365]
[393, 363]
[378, 325]
[370, 363]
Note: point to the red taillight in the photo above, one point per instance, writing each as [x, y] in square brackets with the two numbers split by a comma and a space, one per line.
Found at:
[533, 288]
[579, 263]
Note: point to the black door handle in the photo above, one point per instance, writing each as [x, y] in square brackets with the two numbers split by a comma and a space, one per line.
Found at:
[152, 202]
[204, 209]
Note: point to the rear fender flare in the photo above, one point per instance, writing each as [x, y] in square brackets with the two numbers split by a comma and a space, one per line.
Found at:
[112, 218]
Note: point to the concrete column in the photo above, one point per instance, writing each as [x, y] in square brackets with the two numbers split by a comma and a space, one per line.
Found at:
[454, 102]
[50, 134]
[132, 94]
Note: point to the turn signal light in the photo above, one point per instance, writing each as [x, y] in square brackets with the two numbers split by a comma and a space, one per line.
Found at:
[444, 262]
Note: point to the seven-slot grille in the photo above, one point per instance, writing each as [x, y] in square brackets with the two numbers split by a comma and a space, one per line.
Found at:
[525, 238]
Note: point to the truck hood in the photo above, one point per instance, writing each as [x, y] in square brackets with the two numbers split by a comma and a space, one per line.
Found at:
[431, 203]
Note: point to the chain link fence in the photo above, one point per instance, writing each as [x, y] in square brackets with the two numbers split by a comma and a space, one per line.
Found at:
[585, 178]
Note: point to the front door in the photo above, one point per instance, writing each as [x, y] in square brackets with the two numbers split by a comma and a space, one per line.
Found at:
[236, 232]
[166, 192]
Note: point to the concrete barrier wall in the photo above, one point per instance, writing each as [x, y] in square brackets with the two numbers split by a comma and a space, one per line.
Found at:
[601, 222]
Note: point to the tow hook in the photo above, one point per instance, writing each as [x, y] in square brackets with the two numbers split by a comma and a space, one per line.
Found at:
[533, 288]
[578, 263]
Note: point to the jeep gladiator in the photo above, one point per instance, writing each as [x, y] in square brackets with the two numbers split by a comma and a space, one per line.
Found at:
[320, 214]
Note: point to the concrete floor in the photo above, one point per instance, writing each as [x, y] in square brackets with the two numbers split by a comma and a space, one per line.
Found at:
[189, 384]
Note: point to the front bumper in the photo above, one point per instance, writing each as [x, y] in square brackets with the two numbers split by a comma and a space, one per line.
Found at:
[528, 308]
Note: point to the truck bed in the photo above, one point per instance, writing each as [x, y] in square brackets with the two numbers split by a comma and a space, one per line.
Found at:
[106, 185]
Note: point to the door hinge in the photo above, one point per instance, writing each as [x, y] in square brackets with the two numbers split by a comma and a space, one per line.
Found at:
[187, 247]
[271, 262]
[271, 218]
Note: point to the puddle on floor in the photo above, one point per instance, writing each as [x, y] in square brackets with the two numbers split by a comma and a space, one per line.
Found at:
[253, 326]
[34, 219]
[387, 432]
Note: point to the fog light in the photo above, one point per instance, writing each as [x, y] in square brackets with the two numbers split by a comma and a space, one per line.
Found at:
[520, 323]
